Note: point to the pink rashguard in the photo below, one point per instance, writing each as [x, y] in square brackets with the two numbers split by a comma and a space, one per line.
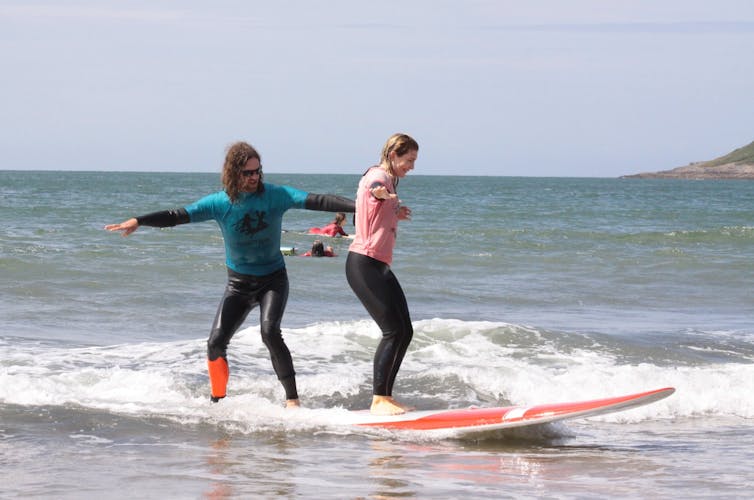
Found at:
[376, 220]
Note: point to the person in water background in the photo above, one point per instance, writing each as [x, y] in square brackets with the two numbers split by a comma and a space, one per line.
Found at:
[320, 250]
[249, 213]
[334, 228]
[370, 255]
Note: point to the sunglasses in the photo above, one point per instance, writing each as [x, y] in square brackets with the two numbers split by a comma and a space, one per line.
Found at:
[249, 173]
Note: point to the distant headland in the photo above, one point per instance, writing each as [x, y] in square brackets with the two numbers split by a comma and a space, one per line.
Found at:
[738, 164]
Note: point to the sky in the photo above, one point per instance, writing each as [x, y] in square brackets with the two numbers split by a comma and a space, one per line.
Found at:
[579, 88]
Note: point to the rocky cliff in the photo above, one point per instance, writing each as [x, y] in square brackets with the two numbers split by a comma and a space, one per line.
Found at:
[738, 164]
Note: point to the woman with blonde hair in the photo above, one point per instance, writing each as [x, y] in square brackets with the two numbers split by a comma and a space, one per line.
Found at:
[368, 272]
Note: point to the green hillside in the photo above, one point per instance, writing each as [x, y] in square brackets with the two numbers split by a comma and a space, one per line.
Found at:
[740, 155]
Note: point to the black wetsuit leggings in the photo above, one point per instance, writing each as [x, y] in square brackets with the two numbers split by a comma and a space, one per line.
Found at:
[378, 289]
[242, 293]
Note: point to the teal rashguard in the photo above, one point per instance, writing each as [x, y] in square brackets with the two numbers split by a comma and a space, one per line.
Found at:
[251, 227]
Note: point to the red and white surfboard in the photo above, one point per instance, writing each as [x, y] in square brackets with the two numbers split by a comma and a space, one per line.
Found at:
[472, 420]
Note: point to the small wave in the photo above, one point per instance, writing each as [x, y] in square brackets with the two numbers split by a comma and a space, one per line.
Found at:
[451, 363]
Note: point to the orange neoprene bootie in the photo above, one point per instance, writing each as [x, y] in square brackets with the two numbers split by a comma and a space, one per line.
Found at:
[218, 377]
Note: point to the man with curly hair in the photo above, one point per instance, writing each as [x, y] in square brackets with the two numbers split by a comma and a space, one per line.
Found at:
[249, 213]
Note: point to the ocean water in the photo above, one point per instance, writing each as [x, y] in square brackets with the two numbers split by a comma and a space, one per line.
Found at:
[522, 291]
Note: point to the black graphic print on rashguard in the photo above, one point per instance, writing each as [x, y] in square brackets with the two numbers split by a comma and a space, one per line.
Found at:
[250, 225]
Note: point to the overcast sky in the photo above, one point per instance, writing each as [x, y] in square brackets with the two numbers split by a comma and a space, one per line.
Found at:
[588, 88]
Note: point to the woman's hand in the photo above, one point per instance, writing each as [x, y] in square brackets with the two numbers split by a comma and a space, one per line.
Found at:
[404, 213]
[381, 193]
[127, 227]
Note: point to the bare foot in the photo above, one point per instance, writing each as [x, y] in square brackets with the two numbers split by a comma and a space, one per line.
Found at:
[405, 407]
[385, 405]
[292, 403]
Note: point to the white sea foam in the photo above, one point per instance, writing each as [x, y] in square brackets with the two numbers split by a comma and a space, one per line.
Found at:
[486, 363]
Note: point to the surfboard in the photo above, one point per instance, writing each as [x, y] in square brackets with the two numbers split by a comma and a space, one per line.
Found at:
[288, 250]
[469, 421]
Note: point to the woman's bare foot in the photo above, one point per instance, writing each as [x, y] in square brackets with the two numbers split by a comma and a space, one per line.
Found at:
[292, 403]
[405, 407]
[385, 405]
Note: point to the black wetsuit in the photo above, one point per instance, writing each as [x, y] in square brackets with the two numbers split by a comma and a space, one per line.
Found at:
[242, 293]
[379, 291]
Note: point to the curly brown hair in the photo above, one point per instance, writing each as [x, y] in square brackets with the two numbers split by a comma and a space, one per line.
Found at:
[235, 159]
